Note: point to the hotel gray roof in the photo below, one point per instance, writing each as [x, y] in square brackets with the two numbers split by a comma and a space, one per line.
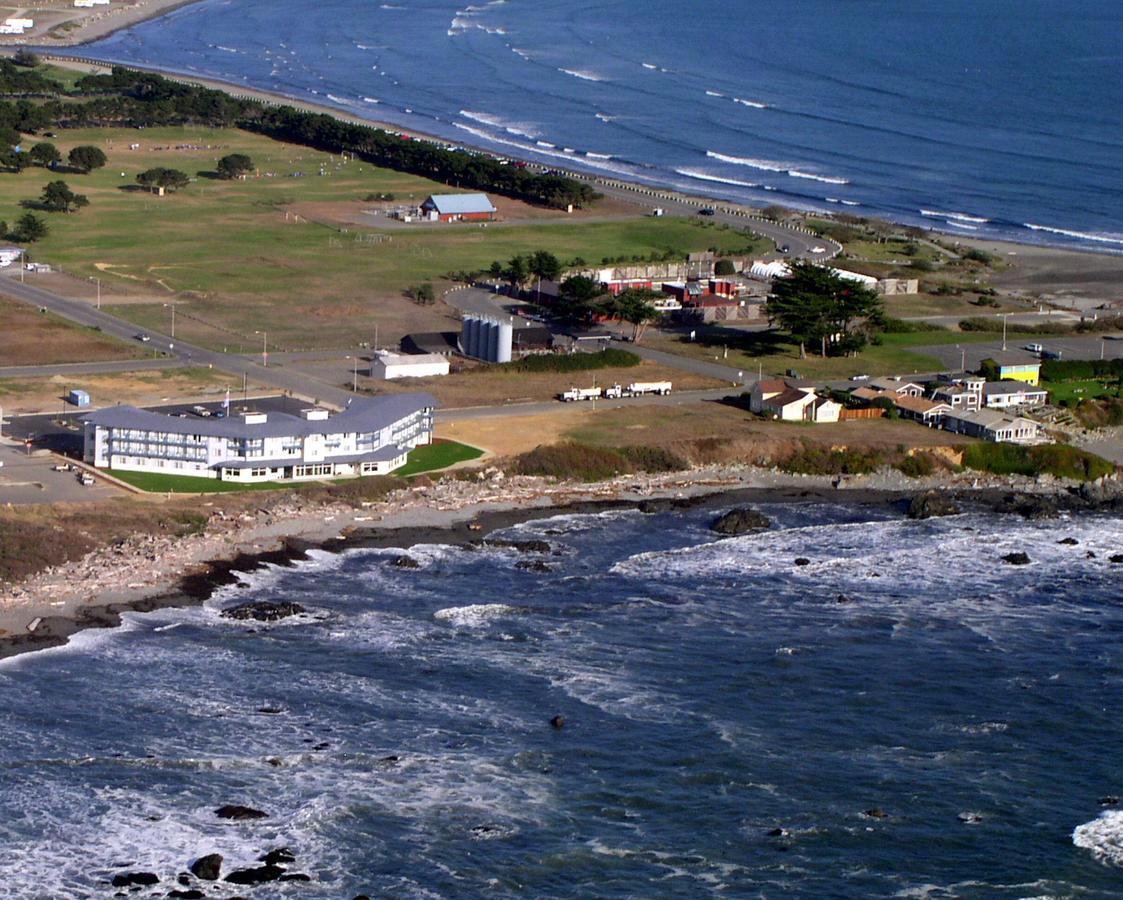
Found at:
[361, 416]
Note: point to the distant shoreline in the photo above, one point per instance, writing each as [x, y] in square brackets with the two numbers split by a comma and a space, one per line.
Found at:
[69, 56]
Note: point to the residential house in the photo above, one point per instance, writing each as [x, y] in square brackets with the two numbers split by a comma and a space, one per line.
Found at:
[1011, 393]
[963, 395]
[898, 386]
[920, 409]
[992, 425]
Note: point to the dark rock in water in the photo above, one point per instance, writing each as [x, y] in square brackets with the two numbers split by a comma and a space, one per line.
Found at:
[405, 562]
[531, 546]
[274, 762]
[239, 813]
[1029, 506]
[969, 818]
[533, 565]
[1071, 541]
[191, 894]
[1116, 558]
[842, 598]
[802, 561]
[128, 879]
[184, 879]
[270, 710]
[296, 876]
[558, 721]
[777, 832]
[689, 502]
[207, 867]
[1109, 801]
[360, 897]
[278, 857]
[1090, 554]
[876, 813]
[390, 760]
[259, 875]
[1017, 559]
[930, 504]
[741, 520]
[263, 610]
[653, 506]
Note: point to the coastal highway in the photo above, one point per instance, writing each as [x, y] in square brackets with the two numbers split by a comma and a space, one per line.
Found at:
[186, 354]
[799, 242]
[89, 368]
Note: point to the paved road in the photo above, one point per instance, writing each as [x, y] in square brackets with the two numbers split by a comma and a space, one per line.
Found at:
[85, 314]
[26, 479]
[799, 244]
[88, 368]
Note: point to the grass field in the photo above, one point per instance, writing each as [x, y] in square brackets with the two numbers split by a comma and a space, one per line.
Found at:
[437, 455]
[1073, 391]
[277, 248]
[158, 483]
[29, 337]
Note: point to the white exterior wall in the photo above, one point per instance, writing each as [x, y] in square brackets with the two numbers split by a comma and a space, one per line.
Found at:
[203, 457]
[390, 369]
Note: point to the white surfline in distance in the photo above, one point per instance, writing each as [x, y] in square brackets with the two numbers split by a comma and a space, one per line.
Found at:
[768, 165]
[956, 216]
[1079, 235]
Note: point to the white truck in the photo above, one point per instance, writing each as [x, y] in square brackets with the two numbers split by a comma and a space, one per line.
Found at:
[613, 393]
[580, 394]
[639, 388]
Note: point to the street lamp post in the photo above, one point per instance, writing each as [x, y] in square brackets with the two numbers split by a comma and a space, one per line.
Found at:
[1004, 317]
[98, 281]
[264, 348]
[172, 306]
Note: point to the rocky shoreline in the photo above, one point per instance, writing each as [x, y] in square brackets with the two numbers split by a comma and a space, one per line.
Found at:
[147, 572]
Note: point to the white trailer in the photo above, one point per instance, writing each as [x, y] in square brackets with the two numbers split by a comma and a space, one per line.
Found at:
[639, 388]
[580, 394]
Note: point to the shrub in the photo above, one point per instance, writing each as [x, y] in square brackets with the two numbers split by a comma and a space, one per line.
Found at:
[976, 255]
[578, 362]
[1100, 413]
[903, 326]
[724, 267]
[587, 463]
[1060, 460]
[811, 459]
[919, 465]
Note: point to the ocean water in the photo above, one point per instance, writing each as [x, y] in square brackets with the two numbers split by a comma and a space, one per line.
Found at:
[999, 118]
[398, 734]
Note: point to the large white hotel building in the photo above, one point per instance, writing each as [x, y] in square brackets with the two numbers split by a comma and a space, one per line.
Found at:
[369, 437]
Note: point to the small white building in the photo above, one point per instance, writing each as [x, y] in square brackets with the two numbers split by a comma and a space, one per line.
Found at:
[388, 366]
[991, 425]
[1010, 393]
[9, 255]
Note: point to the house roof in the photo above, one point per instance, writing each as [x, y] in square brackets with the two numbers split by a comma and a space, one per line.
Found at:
[772, 385]
[894, 384]
[361, 416]
[788, 397]
[1009, 386]
[919, 404]
[409, 359]
[868, 393]
[460, 204]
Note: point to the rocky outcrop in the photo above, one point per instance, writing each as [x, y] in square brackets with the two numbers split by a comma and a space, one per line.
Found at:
[129, 879]
[802, 561]
[1028, 506]
[1017, 559]
[189, 894]
[256, 875]
[207, 867]
[239, 813]
[1070, 541]
[533, 565]
[263, 610]
[741, 520]
[931, 504]
[405, 562]
[279, 857]
[530, 546]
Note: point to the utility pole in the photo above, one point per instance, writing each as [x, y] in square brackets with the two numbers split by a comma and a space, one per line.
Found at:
[98, 280]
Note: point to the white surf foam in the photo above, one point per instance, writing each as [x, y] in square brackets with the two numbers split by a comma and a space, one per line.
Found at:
[583, 74]
[768, 165]
[519, 129]
[1103, 837]
[475, 615]
[703, 176]
[714, 94]
[755, 104]
[1079, 235]
[958, 217]
[649, 66]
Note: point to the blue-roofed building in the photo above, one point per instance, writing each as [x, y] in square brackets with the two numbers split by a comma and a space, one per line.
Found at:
[369, 437]
[458, 208]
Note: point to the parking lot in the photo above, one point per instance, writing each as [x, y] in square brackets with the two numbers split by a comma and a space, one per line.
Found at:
[1091, 346]
[31, 478]
[62, 432]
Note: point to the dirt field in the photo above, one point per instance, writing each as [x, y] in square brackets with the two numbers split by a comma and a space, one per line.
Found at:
[143, 388]
[485, 386]
[31, 338]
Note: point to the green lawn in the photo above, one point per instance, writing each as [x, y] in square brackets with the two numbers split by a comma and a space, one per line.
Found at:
[438, 455]
[290, 246]
[1078, 390]
[158, 483]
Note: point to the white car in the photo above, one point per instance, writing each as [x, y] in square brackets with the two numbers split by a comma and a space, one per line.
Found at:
[818, 249]
[859, 377]
[1035, 348]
